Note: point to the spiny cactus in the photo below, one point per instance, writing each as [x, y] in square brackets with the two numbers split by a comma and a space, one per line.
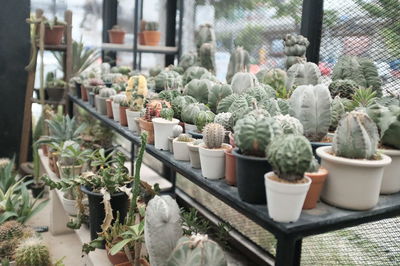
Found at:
[277, 79]
[224, 120]
[190, 111]
[167, 113]
[184, 138]
[243, 81]
[356, 137]
[239, 108]
[197, 250]
[162, 228]
[338, 110]
[118, 98]
[187, 60]
[205, 34]
[303, 74]
[217, 93]
[344, 88]
[254, 133]
[207, 56]
[199, 89]
[107, 92]
[179, 103]
[203, 118]
[177, 130]
[290, 125]
[7, 249]
[169, 95]
[238, 62]
[168, 79]
[314, 166]
[32, 251]
[290, 156]
[193, 72]
[11, 229]
[312, 106]
[295, 49]
[213, 135]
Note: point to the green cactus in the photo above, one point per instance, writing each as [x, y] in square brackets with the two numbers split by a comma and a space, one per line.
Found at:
[363, 98]
[275, 106]
[290, 156]
[290, 125]
[177, 69]
[312, 106]
[179, 103]
[205, 34]
[7, 249]
[203, 118]
[118, 98]
[277, 79]
[213, 135]
[356, 137]
[107, 92]
[338, 110]
[207, 56]
[187, 60]
[190, 111]
[306, 73]
[224, 120]
[168, 79]
[239, 108]
[225, 103]
[254, 133]
[152, 26]
[243, 81]
[168, 95]
[314, 166]
[11, 229]
[209, 76]
[295, 49]
[177, 130]
[197, 250]
[184, 138]
[262, 92]
[154, 71]
[238, 62]
[32, 251]
[217, 93]
[167, 113]
[344, 88]
[193, 72]
[199, 89]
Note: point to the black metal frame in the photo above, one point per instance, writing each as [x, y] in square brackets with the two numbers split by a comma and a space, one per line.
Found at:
[110, 10]
[289, 235]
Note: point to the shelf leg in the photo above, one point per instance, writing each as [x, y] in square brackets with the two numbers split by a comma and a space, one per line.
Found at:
[288, 252]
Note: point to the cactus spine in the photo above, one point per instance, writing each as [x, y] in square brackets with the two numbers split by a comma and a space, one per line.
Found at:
[356, 137]
[238, 62]
[224, 120]
[290, 156]
[290, 125]
[162, 228]
[11, 229]
[295, 49]
[213, 135]
[32, 252]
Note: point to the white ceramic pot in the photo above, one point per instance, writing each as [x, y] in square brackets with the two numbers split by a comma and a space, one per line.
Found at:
[285, 201]
[391, 174]
[181, 150]
[213, 161]
[131, 117]
[70, 206]
[115, 110]
[351, 183]
[67, 170]
[190, 127]
[194, 155]
[162, 130]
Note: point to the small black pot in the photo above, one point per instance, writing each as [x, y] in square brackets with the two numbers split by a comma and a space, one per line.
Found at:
[316, 145]
[55, 94]
[119, 203]
[108, 84]
[37, 190]
[91, 98]
[195, 135]
[250, 171]
[78, 90]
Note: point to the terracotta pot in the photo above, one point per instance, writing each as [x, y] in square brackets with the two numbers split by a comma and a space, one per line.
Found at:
[123, 120]
[118, 258]
[84, 93]
[53, 36]
[148, 127]
[116, 36]
[109, 108]
[152, 38]
[317, 184]
[141, 39]
[230, 168]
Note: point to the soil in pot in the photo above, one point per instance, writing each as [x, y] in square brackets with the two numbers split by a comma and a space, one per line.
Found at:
[317, 184]
[391, 174]
[194, 155]
[118, 258]
[54, 35]
[149, 128]
[37, 190]
[119, 203]
[213, 161]
[230, 168]
[250, 171]
[55, 94]
[122, 116]
[109, 108]
[163, 129]
[116, 36]
[152, 38]
[84, 93]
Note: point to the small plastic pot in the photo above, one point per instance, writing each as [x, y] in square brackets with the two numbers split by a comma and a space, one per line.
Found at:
[54, 35]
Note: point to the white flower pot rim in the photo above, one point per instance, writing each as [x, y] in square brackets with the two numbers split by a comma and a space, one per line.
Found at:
[176, 140]
[282, 184]
[160, 120]
[323, 153]
[222, 148]
[191, 144]
[390, 152]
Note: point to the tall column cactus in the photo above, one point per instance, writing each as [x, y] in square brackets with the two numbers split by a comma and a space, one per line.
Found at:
[207, 56]
[205, 34]
[162, 228]
[295, 49]
[187, 60]
[238, 62]
[213, 135]
[302, 74]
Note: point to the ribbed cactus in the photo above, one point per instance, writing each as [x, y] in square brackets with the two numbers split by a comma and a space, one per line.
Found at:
[107, 92]
[193, 72]
[224, 120]
[312, 106]
[213, 135]
[254, 133]
[32, 251]
[197, 250]
[152, 26]
[275, 106]
[262, 92]
[205, 34]
[154, 71]
[118, 98]
[225, 103]
[303, 74]
[179, 103]
[217, 93]
[190, 111]
[290, 156]
[199, 89]
[295, 49]
[238, 62]
[239, 108]
[162, 228]
[209, 76]
[168, 79]
[290, 125]
[338, 110]
[344, 88]
[356, 137]
[314, 166]
[276, 78]
[167, 113]
[207, 56]
[203, 118]
[243, 81]
[11, 229]
[187, 60]
[184, 138]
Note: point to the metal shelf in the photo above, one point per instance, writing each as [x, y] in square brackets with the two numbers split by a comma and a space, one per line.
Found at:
[141, 48]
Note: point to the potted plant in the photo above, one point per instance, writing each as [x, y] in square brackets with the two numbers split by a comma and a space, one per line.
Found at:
[137, 92]
[55, 88]
[116, 101]
[32, 251]
[194, 153]
[153, 109]
[123, 106]
[252, 135]
[104, 94]
[202, 118]
[151, 35]
[163, 127]
[189, 114]
[116, 35]
[38, 185]
[318, 176]
[212, 152]
[181, 150]
[230, 167]
[53, 31]
[89, 87]
[355, 168]
[286, 186]
[176, 131]
[178, 103]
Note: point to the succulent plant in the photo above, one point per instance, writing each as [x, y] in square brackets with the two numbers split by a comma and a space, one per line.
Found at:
[193, 72]
[187, 60]
[312, 106]
[344, 88]
[177, 130]
[177, 69]
[168, 79]
[107, 92]
[295, 49]
[203, 118]
[254, 133]
[225, 103]
[154, 71]
[356, 136]
[32, 251]
[290, 125]
[306, 73]
[275, 106]
[238, 62]
[118, 98]
[11, 229]
[199, 89]
[167, 113]
[314, 166]
[363, 97]
[209, 76]
[243, 81]
[277, 79]
[184, 138]
[239, 108]
[179, 103]
[152, 26]
[205, 34]
[213, 135]
[190, 111]
[217, 93]
[169, 95]
[207, 56]
[196, 250]
[290, 156]
[262, 92]
[162, 228]
[224, 120]
[7, 249]
[338, 110]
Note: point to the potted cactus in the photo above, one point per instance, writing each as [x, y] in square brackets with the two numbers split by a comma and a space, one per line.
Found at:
[116, 35]
[252, 135]
[32, 251]
[194, 153]
[202, 118]
[318, 176]
[295, 49]
[212, 152]
[104, 94]
[53, 31]
[137, 92]
[116, 101]
[151, 34]
[243, 81]
[176, 131]
[164, 127]
[123, 106]
[238, 61]
[299, 74]
[181, 150]
[286, 186]
[55, 87]
[199, 89]
[189, 114]
[12, 233]
[355, 167]
[153, 109]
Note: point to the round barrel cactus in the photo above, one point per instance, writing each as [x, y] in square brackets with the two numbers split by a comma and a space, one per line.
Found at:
[225, 103]
[199, 89]
[290, 125]
[213, 135]
[32, 251]
[224, 120]
[243, 81]
[262, 92]
[203, 118]
[193, 72]
[238, 109]
[168, 79]
[107, 92]
[154, 71]
[11, 229]
[275, 106]
[187, 60]
[303, 74]
[209, 76]
[217, 93]
[179, 102]
[189, 112]
[344, 88]
[169, 95]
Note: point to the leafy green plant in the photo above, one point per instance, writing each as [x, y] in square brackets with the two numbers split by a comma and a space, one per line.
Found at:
[8, 176]
[363, 97]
